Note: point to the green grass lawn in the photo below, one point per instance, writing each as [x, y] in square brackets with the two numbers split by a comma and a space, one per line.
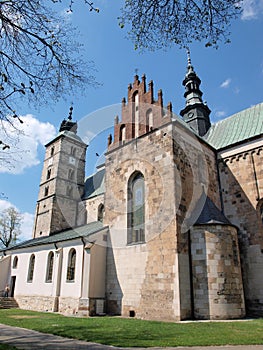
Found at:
[138, 333]
[6, 347]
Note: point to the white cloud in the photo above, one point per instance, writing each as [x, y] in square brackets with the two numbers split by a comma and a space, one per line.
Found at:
[251, 9]
[225, 83]
[23, 152]
[220, 114]
[27, 221]
[27, 226]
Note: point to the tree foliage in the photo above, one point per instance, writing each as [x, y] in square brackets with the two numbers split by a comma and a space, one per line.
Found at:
[157, 24]
[10, 221]
[40, 60]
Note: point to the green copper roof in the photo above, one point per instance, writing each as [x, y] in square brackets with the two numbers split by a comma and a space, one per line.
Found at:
[94, 184]
[78, 232]
[239, 127]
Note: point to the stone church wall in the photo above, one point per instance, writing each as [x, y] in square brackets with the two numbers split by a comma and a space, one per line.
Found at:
[141, 277]
[216, 271]
[241, 177]
[152, 280]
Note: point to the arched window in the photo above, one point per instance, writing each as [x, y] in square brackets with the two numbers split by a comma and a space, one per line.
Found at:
[52, 151]
[100, 212]
[122, 133]
[48, 174]
[46, 191]
[149, 120]
[135, 115]
[15, 261]
[71, 265]
[50, 264]
[31, 268]
[136, 209]
[73, 151]
[71, 174]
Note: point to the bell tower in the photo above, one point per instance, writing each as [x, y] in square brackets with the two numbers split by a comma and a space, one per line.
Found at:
[196, 112]
[62, 181]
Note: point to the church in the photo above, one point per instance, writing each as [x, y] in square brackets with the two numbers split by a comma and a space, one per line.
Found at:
[170, 227]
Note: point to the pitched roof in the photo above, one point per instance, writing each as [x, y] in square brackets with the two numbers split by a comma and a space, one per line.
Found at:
[94, 185]
[66, 235]
[239, 127]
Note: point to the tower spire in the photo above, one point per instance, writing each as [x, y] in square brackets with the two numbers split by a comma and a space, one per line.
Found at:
[195, 113]
[188, 57]
[69, 125]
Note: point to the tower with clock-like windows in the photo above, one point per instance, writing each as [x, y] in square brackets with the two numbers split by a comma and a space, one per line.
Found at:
[62, 181]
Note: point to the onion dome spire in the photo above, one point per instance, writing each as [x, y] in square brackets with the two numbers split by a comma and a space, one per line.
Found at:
[196, 113]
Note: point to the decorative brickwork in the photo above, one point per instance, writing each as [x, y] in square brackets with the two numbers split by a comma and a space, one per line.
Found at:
[141, 114]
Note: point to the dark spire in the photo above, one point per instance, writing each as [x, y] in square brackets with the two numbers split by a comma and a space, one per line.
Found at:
[196, 113]
[69, 125]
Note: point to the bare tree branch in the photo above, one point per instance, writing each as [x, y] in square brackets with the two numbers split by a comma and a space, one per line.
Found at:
[40, 60]
[155, 24]
[10, 221]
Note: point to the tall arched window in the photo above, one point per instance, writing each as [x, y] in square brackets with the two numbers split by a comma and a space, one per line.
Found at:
[50, 264]
[122, 133]
[135, 115]
[71, 265]
[31, 268]
[100, 212]
[149, 120]
[15, 261]
[136, 209]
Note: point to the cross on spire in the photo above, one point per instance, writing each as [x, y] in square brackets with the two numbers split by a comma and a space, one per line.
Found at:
[188, 56]
[70, 112]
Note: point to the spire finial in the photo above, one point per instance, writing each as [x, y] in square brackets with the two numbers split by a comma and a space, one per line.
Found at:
[70, 112]
[188, 57]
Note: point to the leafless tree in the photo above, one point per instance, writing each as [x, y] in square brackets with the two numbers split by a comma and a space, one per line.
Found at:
[40, 60]
[10, 221]
[157, 24]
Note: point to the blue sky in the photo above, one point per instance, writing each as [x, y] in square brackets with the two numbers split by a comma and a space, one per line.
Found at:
[232, 80]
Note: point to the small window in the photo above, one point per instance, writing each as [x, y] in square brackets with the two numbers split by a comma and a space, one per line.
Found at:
[71, 174]
[46, 191]
[52, 151]
[73, 151]
[101, 212]
[31, 268]
[69, 191]
[71, 265]
[48, 174]
[15, 261]
[50, 264]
